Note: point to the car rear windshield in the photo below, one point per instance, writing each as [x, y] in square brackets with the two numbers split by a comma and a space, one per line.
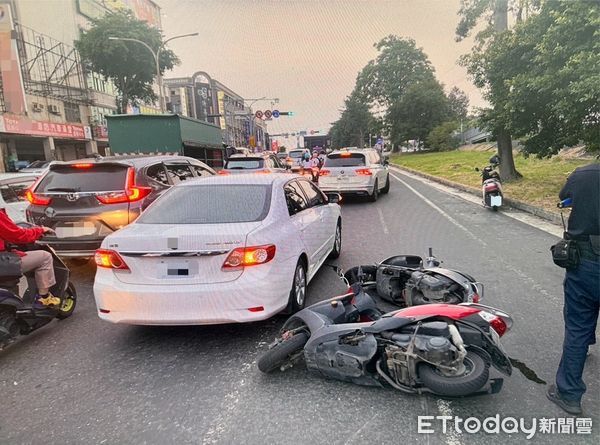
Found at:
[244, 163]
[296, 154]
[345, 160]
[97, 178]
[210, 204]
[38, 164]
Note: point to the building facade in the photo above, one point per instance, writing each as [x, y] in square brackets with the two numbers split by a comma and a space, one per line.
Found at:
[202, 97]
[51, 107]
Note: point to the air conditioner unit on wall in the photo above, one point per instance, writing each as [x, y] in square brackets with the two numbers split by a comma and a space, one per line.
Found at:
[37, 107]
[54, 109]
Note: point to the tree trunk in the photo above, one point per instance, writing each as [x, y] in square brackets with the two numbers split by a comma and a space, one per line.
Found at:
[508, 171]
[501, 15]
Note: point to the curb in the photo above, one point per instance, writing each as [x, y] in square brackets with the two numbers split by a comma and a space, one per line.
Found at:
[519, 205]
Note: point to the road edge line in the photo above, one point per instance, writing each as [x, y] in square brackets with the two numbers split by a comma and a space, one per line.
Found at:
[516, 204]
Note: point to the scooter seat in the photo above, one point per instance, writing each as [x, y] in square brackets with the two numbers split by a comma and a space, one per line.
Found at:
[9, 283]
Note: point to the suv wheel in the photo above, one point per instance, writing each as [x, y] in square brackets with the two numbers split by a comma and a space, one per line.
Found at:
[387, 185]
[373, 196]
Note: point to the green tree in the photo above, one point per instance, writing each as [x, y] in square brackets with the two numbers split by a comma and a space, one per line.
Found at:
[422, 107]
[442, 138]
[458, 103]
[398, 65]
[129, 65]
[495, 12]
[354, 125]
[554, 86]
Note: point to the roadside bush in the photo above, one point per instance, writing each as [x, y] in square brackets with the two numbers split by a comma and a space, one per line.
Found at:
[442, 137]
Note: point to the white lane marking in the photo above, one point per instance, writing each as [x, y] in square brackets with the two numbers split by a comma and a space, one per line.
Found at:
[451, 437]
[357, 432]
[442, 212]
[383, 224]
[523, 217]
[534, 284]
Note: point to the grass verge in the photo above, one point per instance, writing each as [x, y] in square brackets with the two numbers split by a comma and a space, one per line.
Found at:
[541, 182]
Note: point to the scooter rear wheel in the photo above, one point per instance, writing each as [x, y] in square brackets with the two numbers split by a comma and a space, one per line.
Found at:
[476, 375]
[278, 354]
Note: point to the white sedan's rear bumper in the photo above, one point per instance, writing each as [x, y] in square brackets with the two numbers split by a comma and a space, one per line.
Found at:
[267, 286]
[347, 188]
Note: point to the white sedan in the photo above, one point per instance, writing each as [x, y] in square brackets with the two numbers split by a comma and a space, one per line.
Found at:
[218, 250]
[13, 188]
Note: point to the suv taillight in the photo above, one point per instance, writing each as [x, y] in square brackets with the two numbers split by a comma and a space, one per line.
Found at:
[131, 193]
[324, 172]
[249, 256]
[37, 200]
[364, 171]
[110, 259]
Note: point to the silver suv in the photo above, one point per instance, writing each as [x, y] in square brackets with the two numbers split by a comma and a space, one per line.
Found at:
[355, 171]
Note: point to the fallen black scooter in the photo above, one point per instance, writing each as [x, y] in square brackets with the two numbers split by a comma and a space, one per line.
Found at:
[439, 348]
[17, 317]
[408, 280]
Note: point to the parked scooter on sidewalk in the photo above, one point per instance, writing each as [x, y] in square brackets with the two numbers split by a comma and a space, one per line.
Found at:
[18, 317]
[408, 280]
[491, 185]
[439, 348]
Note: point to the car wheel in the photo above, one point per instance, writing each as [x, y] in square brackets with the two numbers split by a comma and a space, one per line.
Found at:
[373, 196]
[337, 242]
[298, 292]
[387, 185]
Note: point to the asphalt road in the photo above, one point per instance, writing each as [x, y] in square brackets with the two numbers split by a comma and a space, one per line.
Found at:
[86, 381]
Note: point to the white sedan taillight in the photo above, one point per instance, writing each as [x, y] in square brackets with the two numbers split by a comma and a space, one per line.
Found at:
[249, 256]
[110, 259]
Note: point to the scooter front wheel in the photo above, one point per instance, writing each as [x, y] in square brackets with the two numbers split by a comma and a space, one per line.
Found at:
[67, 305]
[281, 352]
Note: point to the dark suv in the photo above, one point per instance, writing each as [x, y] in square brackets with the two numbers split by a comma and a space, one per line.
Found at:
[86, 200]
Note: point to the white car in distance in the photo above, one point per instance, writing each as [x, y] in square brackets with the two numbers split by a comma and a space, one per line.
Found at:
[216, 250]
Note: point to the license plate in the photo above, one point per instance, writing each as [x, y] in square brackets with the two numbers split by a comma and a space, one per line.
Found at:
[343, 178]
[496, 201]
[75, 229]
[174, 269]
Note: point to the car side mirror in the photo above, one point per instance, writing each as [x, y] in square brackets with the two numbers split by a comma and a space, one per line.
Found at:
[334, 198]
[386, 162]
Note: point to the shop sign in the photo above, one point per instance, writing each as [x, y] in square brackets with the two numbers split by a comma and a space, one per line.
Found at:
[100, 132]
[23, 125]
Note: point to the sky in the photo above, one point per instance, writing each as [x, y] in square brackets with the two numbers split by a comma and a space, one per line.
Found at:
[307, 53]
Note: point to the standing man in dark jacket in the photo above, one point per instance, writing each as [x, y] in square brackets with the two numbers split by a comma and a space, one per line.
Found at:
[581, 287]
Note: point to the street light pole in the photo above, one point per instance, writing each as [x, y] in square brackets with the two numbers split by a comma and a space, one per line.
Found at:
[156, 55]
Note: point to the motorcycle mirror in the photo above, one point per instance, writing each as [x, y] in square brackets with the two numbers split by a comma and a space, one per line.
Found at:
[476, 169]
